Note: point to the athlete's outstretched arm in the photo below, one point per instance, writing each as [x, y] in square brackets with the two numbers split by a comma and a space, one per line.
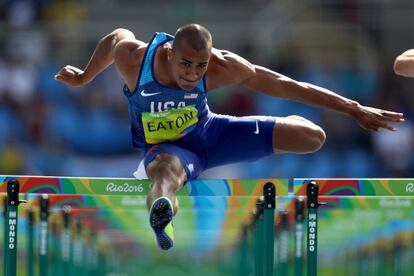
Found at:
[102, 57]
[404, 64]
[275, 84]
[228, 68]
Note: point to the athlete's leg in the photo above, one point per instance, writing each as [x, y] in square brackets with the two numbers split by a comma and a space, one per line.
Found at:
[296, 134]
[168, 176]
[168, 166]
[236, 139]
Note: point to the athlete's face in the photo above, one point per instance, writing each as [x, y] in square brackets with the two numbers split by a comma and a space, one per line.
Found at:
[188, 65]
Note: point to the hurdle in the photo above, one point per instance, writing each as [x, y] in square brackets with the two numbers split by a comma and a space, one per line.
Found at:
[346, 199]
[115, 202]
[269, 205]
[30, 239]
[244, 262]
[261, 228]
[258, 239]
[55, 262]
[221, 209]
[44, 235]
[282, 243]
[4, 235]
[13, 202]
[232, 193]
[65, 242]
[299, 230]
[312, 192]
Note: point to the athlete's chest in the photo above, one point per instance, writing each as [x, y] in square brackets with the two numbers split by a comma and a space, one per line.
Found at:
[167, 114]
[152, 98]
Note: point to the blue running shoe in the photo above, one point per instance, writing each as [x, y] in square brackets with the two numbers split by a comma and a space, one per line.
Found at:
[161, 214]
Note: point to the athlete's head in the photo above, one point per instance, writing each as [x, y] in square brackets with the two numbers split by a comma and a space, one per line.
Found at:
[190, 54]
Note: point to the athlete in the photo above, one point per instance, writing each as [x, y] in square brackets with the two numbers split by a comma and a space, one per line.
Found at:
[404, 64]
[166, 84]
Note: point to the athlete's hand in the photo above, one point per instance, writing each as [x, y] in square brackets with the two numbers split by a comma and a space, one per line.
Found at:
[71, 75]
[374, 119]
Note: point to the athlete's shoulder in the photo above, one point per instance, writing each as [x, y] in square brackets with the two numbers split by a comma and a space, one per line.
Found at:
[226, 68]
[128, 56]
[228, 60]
[129, 51]
[220, 57]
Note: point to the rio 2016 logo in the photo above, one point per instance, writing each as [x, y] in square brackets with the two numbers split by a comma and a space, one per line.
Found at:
[409, 188]
[124, 188]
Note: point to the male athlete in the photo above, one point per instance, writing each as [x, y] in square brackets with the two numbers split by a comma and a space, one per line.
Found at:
[166, 84]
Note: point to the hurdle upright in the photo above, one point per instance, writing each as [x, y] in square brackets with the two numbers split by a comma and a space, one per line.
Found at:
[11, 227]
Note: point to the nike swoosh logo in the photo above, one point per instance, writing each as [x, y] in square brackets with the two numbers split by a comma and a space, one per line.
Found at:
[148, 94]
[257, 131]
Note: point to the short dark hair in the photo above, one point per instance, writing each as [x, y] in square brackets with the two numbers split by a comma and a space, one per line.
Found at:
[195, 35]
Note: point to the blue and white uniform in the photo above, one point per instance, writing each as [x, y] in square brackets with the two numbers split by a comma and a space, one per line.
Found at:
[179, 122]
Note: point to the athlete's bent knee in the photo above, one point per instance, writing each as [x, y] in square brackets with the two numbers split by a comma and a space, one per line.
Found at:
[316, 138]
[297, 117]
[164, 163]
[165, 167]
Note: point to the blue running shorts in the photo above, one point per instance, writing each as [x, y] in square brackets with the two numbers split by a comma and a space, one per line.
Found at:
[221, 140]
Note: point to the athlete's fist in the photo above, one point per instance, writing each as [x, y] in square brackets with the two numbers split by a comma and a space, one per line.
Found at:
[71, 75]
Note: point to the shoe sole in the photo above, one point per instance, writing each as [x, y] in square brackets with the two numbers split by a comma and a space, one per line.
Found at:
[161, 215]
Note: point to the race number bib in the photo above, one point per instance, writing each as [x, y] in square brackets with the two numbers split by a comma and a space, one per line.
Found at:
[168, 125]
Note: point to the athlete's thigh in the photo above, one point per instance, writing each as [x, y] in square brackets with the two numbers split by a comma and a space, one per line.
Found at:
[190, 161]
[237, 139]
[297, 135]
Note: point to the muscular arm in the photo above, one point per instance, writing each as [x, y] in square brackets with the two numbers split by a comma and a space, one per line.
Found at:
[277, 85]
[274, 84]
[404, 64]
[102, 57]
[229, 68]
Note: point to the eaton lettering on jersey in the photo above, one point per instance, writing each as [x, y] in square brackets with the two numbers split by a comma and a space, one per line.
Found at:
[168, 125]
